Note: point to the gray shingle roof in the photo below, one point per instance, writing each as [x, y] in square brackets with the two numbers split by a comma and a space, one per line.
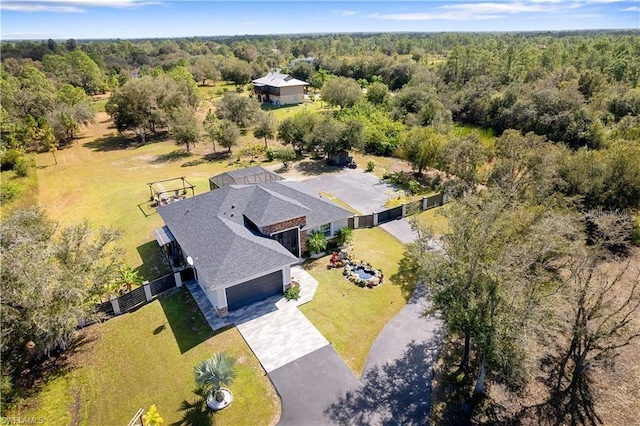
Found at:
[268, 207]
[210, 228]
[322, 210]
[223, 250]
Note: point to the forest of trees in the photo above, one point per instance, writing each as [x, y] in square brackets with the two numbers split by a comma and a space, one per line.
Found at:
[561, 110]
[578, 90]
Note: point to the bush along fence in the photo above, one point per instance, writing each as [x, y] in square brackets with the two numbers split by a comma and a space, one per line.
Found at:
[143, 294]
[404, 210]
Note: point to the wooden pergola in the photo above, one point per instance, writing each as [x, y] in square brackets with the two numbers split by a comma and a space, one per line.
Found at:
[167, 191]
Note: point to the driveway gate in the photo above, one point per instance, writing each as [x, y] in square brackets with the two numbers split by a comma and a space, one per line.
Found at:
[391, 214]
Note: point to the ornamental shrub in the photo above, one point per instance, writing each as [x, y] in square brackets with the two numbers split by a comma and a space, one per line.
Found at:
[293, 292]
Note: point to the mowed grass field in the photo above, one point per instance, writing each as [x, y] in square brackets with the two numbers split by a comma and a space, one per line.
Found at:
[147, 357]
[103, 180]
[102, 177]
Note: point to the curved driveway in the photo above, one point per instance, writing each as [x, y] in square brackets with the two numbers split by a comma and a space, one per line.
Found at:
[395, 388]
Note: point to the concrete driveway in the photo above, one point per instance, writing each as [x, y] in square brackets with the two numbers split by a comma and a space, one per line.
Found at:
[364, 192]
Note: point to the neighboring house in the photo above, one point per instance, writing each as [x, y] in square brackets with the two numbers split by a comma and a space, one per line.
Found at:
[245, 176]
[241, 240]
[279, 89]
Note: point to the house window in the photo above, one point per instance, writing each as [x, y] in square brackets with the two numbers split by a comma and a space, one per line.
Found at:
[326, 230]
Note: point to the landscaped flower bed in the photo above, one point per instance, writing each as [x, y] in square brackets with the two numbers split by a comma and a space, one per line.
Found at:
[358, 272]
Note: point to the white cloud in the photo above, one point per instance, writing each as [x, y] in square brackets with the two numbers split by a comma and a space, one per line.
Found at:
[492, 10]
[602, 1]
[68, 6]
[349, 13]
[632, 9]
[27, 7]
[32, 35]
[450, 16]
[586, 16]
[514, 7]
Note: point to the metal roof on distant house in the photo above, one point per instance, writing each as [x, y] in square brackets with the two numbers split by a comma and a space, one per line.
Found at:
[210, 228]
[276, 79]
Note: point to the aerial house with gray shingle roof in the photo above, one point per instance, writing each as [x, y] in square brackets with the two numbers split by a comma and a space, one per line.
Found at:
[241, 240]
[279, 89]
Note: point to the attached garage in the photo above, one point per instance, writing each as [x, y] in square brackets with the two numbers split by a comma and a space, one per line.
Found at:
[254, 290]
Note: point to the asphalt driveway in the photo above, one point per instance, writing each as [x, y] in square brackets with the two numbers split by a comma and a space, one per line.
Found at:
[364, 192]
[311, 384]
[395, 388]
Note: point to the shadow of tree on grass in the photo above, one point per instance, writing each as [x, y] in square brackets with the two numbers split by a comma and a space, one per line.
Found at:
[152, 266]
[397, 393]
[406, 277]
[171, 157]
[187, 323]
[36, 374]
[196, 412]
[110, 143]
[316, 167]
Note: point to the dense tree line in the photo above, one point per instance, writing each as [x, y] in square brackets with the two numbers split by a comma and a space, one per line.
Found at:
[524, 288]
[577, 90]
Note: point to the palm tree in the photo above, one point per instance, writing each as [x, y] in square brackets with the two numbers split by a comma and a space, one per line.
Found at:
[316, 242]
[127, 277]
[344, 236]
[214, 372]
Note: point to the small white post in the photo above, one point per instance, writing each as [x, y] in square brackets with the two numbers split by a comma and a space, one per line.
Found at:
[375, 219]
[147, 291]
[404, 210]
[178, 279]
[424, 203]
[116, 306]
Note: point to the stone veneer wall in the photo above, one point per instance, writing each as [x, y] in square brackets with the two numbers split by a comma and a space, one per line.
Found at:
[303, 241]
[287, 224]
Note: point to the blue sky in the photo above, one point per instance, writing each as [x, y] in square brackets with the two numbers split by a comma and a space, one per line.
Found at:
[81, 19]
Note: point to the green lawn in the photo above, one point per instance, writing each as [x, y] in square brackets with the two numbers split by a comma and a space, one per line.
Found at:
[351, 317]
[434, 219]
[147, 357]
[26, 187]
[286, 111]
[101, 179]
